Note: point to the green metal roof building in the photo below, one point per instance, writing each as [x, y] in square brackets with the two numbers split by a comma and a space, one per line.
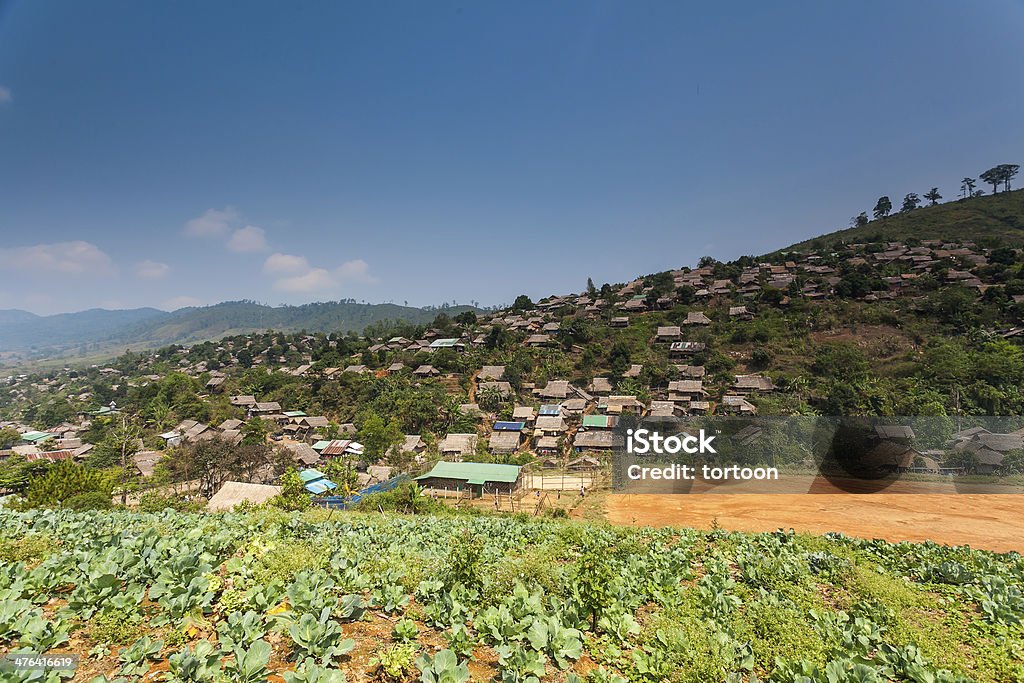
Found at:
[480, 477]
[599, 421]
[104, 410]
[37, 437]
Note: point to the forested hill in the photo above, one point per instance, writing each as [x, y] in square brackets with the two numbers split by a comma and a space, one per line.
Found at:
[96, 331]
[20, 330]
[998, 217]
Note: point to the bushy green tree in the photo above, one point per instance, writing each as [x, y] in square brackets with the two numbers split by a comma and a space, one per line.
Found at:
[16, 472]
[882, 207]
[64, 480]
[522, 303]
[840, 360]
[294, 495]
[255, 432]
[619, 357]
[497, 337]
[910, 202]
[8, 437]
[378, 436]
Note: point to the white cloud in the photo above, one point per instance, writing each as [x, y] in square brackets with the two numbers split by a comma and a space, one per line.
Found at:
[295, 274]
[285, 264]
[248, 239]
[356, 270]
[151, 270]
[70, 258]
[213, 223]
[5, 95]
[177, 302]
[314, 280]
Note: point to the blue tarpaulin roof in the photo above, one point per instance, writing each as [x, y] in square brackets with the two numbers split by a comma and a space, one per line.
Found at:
[501, 426]
[316, 482]
[341, 502]
[321, 486]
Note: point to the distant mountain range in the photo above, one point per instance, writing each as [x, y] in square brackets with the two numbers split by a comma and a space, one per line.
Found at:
[97, 331]
[21, 330]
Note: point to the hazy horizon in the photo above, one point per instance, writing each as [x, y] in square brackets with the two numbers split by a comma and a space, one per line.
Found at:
[187, 154]
[438, 306]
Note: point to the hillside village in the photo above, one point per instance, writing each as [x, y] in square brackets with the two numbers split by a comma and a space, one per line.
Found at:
[575, 342]
[915, 327]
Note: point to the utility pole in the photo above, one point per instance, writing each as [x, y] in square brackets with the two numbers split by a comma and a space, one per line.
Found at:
[956, 394]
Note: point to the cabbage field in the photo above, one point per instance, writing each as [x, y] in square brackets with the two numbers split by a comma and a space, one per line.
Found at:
[310, 597]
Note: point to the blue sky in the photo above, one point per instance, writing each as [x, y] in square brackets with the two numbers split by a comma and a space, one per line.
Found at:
[182, 153]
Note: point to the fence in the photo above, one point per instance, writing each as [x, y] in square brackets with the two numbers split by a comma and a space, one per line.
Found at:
[566, 480]
[510, 501]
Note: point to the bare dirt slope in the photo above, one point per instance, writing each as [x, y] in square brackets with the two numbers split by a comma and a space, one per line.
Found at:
[988, 521]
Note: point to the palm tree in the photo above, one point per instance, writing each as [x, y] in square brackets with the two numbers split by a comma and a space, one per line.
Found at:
[160, 415]
[799, 387]
[449, 411]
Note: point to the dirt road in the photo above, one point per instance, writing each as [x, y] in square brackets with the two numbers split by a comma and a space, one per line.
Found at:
[989, 521]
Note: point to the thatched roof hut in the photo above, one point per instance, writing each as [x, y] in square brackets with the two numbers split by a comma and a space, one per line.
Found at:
[234, 492]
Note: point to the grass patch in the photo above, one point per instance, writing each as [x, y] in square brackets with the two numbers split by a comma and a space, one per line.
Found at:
[31, 549]
[282, 560]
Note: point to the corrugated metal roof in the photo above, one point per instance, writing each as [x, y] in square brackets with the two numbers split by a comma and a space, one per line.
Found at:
[473, 472]
[443, 343]
[49, 455]
[342, 446]
[336, 447]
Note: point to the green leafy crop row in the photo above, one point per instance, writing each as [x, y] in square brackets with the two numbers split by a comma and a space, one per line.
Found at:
[189, 597]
